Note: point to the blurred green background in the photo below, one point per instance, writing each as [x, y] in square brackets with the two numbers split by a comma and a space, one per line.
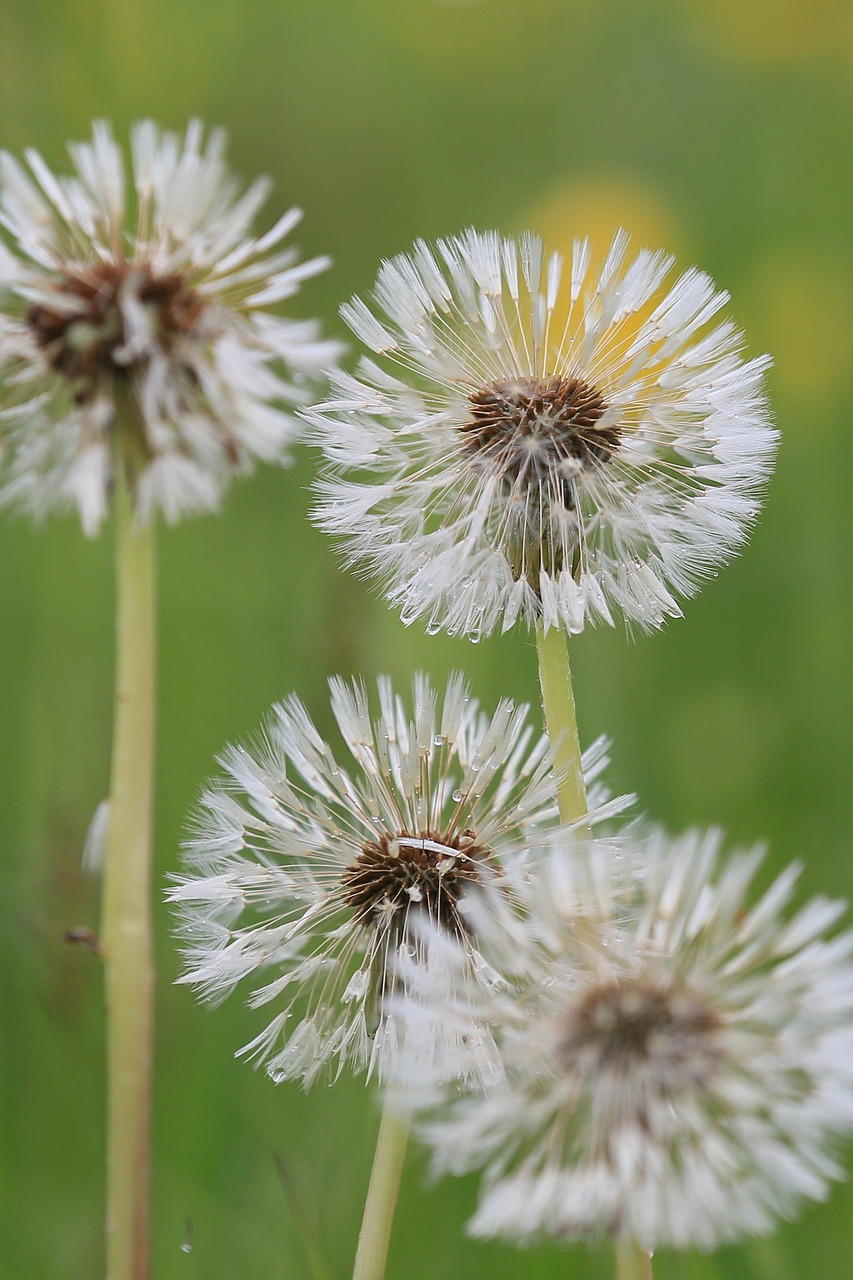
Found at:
[719, 128]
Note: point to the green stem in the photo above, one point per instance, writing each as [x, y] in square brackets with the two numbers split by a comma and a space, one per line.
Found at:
[558, 703]
[632, 1262]
[381, 1199]
[126, 936]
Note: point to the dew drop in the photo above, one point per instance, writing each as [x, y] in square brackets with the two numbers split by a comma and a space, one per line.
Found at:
[456, 797]
[357, 986]
[438, 741]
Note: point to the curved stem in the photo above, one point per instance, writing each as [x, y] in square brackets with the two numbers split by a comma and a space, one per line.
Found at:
[126, 935]
[381, 1199]
[632, 1262]
[558, 704]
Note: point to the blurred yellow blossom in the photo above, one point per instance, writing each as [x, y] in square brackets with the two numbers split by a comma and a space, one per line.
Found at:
[597, 204]
[802, 308]
[774, 31]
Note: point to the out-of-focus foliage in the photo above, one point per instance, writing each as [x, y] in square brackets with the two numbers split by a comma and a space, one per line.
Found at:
[715, 127]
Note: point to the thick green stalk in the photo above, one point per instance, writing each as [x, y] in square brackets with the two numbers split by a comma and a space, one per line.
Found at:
[632, 1262]
[126, 938]
[381, 1199]
[558, 703]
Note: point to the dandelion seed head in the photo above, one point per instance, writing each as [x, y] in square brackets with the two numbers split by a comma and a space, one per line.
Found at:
[673, 1062]
[313, 877]
[135, 332]
[535, 441]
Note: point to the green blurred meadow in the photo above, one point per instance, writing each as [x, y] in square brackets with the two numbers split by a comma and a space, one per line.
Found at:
[719, 128]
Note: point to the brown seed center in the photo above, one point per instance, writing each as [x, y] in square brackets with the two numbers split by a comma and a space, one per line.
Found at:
[540, 431]
[427, 872]
[668, 1035]
[86, 334]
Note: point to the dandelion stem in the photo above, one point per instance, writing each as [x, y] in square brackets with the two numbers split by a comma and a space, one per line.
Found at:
[381, 1197]
[126, 940]
[632, 1262]
[558, 703]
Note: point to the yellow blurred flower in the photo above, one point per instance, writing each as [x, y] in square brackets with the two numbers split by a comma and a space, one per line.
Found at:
[774, 31]
[597, 205]
[802, 308]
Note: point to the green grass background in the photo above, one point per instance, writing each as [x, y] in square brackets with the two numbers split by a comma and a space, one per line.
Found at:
[721, 128]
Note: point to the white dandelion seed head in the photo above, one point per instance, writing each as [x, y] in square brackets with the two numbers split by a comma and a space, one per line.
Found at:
[133, 326]
[310, 879]
[675, 1065]
[536, 444]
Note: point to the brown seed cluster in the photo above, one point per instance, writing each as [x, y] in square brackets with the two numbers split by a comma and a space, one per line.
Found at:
[83, 343]
[622, 1028]
[426, 872]
[535, 432]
